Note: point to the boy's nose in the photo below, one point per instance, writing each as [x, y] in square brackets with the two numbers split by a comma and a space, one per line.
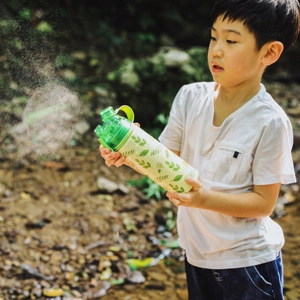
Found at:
[217, 50]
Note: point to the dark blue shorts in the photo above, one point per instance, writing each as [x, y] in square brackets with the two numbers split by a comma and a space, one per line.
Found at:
[261, 282]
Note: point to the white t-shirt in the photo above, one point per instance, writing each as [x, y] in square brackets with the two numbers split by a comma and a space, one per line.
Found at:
[253, 146]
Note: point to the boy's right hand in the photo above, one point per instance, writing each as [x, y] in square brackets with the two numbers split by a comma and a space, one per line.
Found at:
[111, 157]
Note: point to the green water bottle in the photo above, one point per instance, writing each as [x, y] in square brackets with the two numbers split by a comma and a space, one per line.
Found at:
[142, 151]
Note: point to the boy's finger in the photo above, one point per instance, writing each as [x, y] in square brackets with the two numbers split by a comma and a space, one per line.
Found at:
[195, 183]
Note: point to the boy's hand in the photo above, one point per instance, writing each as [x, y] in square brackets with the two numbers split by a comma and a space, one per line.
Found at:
[191, 198]
[111, 157]
[114, 158]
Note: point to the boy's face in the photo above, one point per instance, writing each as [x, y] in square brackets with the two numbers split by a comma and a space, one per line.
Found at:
[232, 55]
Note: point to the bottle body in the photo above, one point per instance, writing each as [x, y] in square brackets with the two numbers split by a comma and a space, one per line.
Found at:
[153, 159]
[142, 151]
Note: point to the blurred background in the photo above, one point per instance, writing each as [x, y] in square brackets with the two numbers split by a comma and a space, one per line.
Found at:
[138, 52]
[69, 224]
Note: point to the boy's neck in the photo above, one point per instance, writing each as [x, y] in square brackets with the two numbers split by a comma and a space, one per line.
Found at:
[238, 95]
[228, 100]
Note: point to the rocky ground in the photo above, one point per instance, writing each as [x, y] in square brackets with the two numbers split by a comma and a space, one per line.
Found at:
[72, 228]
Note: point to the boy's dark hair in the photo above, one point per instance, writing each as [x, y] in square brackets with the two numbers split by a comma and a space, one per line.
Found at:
[268, 20]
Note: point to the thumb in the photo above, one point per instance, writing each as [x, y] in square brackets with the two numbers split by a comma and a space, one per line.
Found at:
[196, 184]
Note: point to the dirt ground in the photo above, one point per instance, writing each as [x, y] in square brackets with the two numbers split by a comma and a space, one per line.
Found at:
[63, 236]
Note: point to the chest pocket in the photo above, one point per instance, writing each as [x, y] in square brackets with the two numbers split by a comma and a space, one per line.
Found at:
[229, 163]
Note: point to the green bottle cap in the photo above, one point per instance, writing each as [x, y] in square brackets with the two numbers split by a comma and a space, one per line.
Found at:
[115, 129]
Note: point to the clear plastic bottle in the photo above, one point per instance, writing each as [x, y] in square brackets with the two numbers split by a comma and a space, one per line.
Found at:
[142, 151]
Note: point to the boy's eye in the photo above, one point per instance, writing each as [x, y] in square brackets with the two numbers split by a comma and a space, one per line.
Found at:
[231, 42]
[213, 38]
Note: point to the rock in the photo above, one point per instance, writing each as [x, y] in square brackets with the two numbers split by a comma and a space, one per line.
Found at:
[175, 58]
[106, 185]
[29, 271]
[135, 277]
[156, 276]
[98, 291]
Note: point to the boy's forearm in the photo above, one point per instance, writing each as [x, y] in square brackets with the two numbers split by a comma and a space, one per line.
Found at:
[245, 205]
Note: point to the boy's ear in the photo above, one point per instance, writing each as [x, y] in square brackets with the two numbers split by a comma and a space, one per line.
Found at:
[272, 52]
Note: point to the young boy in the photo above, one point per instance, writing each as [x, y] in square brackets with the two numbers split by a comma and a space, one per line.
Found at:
[240, 140]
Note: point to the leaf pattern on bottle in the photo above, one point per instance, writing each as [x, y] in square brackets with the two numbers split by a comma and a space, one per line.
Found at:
[167, 154]
[156, 151]
[191, 174]
[143, 163]
[177, 178]
[138, 140]
[144, 152]
[177, 167]
[173, 166]
[142, 143]
[177, 188]
[161, 178]
[128, 153]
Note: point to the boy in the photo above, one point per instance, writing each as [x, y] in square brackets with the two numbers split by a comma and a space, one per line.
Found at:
[240, 140]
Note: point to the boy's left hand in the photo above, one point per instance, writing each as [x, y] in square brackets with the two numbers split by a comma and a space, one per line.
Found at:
[191, 198]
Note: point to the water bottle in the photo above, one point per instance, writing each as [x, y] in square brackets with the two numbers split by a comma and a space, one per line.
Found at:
[142, 151]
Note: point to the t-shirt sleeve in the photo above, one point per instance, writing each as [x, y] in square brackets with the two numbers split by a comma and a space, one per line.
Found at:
[171, 137]
[273, 159]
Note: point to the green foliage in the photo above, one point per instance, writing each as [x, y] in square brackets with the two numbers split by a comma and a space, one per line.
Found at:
[171, 221]
[149, 187]
[63, 60]
[25, 13]
[150, 84]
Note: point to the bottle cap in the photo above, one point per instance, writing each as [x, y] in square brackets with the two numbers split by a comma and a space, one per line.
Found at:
[114, 130]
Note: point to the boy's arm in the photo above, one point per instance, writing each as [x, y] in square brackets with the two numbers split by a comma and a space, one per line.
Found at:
[256, 204]
[112, 158]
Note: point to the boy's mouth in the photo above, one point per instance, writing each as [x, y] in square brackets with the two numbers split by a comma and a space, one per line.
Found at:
[216, 68]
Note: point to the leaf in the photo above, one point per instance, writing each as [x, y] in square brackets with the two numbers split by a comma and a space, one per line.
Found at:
[176, 168]
[167, 154]
[135, 264]
[170, 244]
[53, 292]
[44, 27]
[129, 225]
[144, 153]
[142, 143]
[106, 274]
[55, 165]
[177, 178]
[117, 281]
[170, 224]
[148, 165]
[170, 214]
